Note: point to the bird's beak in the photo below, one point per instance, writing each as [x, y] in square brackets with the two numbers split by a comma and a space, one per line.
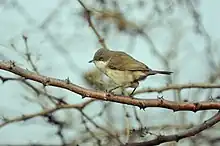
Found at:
[91, 61]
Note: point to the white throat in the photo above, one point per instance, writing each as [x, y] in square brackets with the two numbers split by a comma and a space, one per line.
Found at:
[101, 65]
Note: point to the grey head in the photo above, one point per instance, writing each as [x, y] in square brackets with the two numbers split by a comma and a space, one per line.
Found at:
[101, 55]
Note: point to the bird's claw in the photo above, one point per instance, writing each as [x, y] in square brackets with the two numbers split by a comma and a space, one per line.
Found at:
[109, 91]
[160, 97]
[131, 95]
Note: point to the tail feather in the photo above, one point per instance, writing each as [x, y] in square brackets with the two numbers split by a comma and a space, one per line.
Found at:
[153, 72]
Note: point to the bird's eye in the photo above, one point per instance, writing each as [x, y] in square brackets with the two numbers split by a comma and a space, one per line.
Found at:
[101, 58]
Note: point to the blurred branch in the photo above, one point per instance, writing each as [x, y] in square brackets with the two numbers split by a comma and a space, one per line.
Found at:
[44, 27]
[28, 54]
[141, 103]
[38, 92]
[103, 129]
[133, 28]
[176, 137]
[93, 135]
[200, 29]
[88, 17]
[45, 112]
[179, 87]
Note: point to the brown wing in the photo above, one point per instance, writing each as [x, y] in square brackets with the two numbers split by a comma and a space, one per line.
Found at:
[123, 61]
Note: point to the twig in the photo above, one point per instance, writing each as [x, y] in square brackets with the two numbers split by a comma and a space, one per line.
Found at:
[179, 87]
[137, 118]
[99, 127]
[88, 17]
[28, 54]
[176, 137]
[52, 98]
[98, 141]
[141, 103]
[46, 112]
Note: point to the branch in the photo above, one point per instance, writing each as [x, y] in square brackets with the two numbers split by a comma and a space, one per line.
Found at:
[176, 137]
[88, 17]
[52, 98]
[45, 112]
[141, 103]
[179, 87]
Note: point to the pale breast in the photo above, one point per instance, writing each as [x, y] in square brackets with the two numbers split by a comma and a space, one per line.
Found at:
[125, 77]
[119, 77]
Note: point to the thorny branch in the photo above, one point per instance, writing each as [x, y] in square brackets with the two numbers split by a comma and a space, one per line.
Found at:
[109, 97]
[179, 87]
[88, 17]
[142, 103]
[176, 137]
[45, 112]
[38, 92]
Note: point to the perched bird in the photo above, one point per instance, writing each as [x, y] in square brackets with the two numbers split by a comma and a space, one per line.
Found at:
[123, 69]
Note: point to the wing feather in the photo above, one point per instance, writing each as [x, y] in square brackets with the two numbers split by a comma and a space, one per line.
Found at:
[126, 63]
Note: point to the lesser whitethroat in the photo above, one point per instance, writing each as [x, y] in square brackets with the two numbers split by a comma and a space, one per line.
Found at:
[123, 69]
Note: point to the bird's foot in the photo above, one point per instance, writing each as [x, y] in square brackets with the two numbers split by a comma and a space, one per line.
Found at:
[131, 95]
[110, 91]
[160, 97]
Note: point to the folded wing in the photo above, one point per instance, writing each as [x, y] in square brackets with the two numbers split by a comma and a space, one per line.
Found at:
[122, 61]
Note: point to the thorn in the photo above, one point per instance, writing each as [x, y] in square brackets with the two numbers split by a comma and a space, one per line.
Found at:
[5, 119]
[67, 80]
[185, 100]
[61, 101]
[24, 117]
[218, 97]
[3, 79]
[23, 78]
[83, 121]
[211, 98]
[174, 110]
[160, 97]
[127, 115]
[12, 64]
[24, 37]
[108, 94]
[142, 108]
[46, 82]
[177, 138]
[196, 107]
[13, 46]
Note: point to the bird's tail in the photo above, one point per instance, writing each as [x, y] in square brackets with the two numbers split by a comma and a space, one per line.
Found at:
[153, 72]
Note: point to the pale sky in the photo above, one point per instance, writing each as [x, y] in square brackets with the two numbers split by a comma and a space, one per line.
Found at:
[80, 41]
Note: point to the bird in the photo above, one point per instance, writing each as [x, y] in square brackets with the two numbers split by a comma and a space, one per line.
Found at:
[123, 69]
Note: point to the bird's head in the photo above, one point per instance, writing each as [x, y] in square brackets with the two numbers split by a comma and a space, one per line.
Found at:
[102, 55]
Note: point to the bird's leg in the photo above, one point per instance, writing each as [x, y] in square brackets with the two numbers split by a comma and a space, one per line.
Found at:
[124, 93]
[133, 91]
[114, 88]
[134, 85]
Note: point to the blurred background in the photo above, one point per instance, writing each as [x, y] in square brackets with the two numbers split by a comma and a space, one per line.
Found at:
[53, 38]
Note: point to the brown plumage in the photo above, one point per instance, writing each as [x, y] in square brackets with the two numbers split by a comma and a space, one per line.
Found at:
[122, 68]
